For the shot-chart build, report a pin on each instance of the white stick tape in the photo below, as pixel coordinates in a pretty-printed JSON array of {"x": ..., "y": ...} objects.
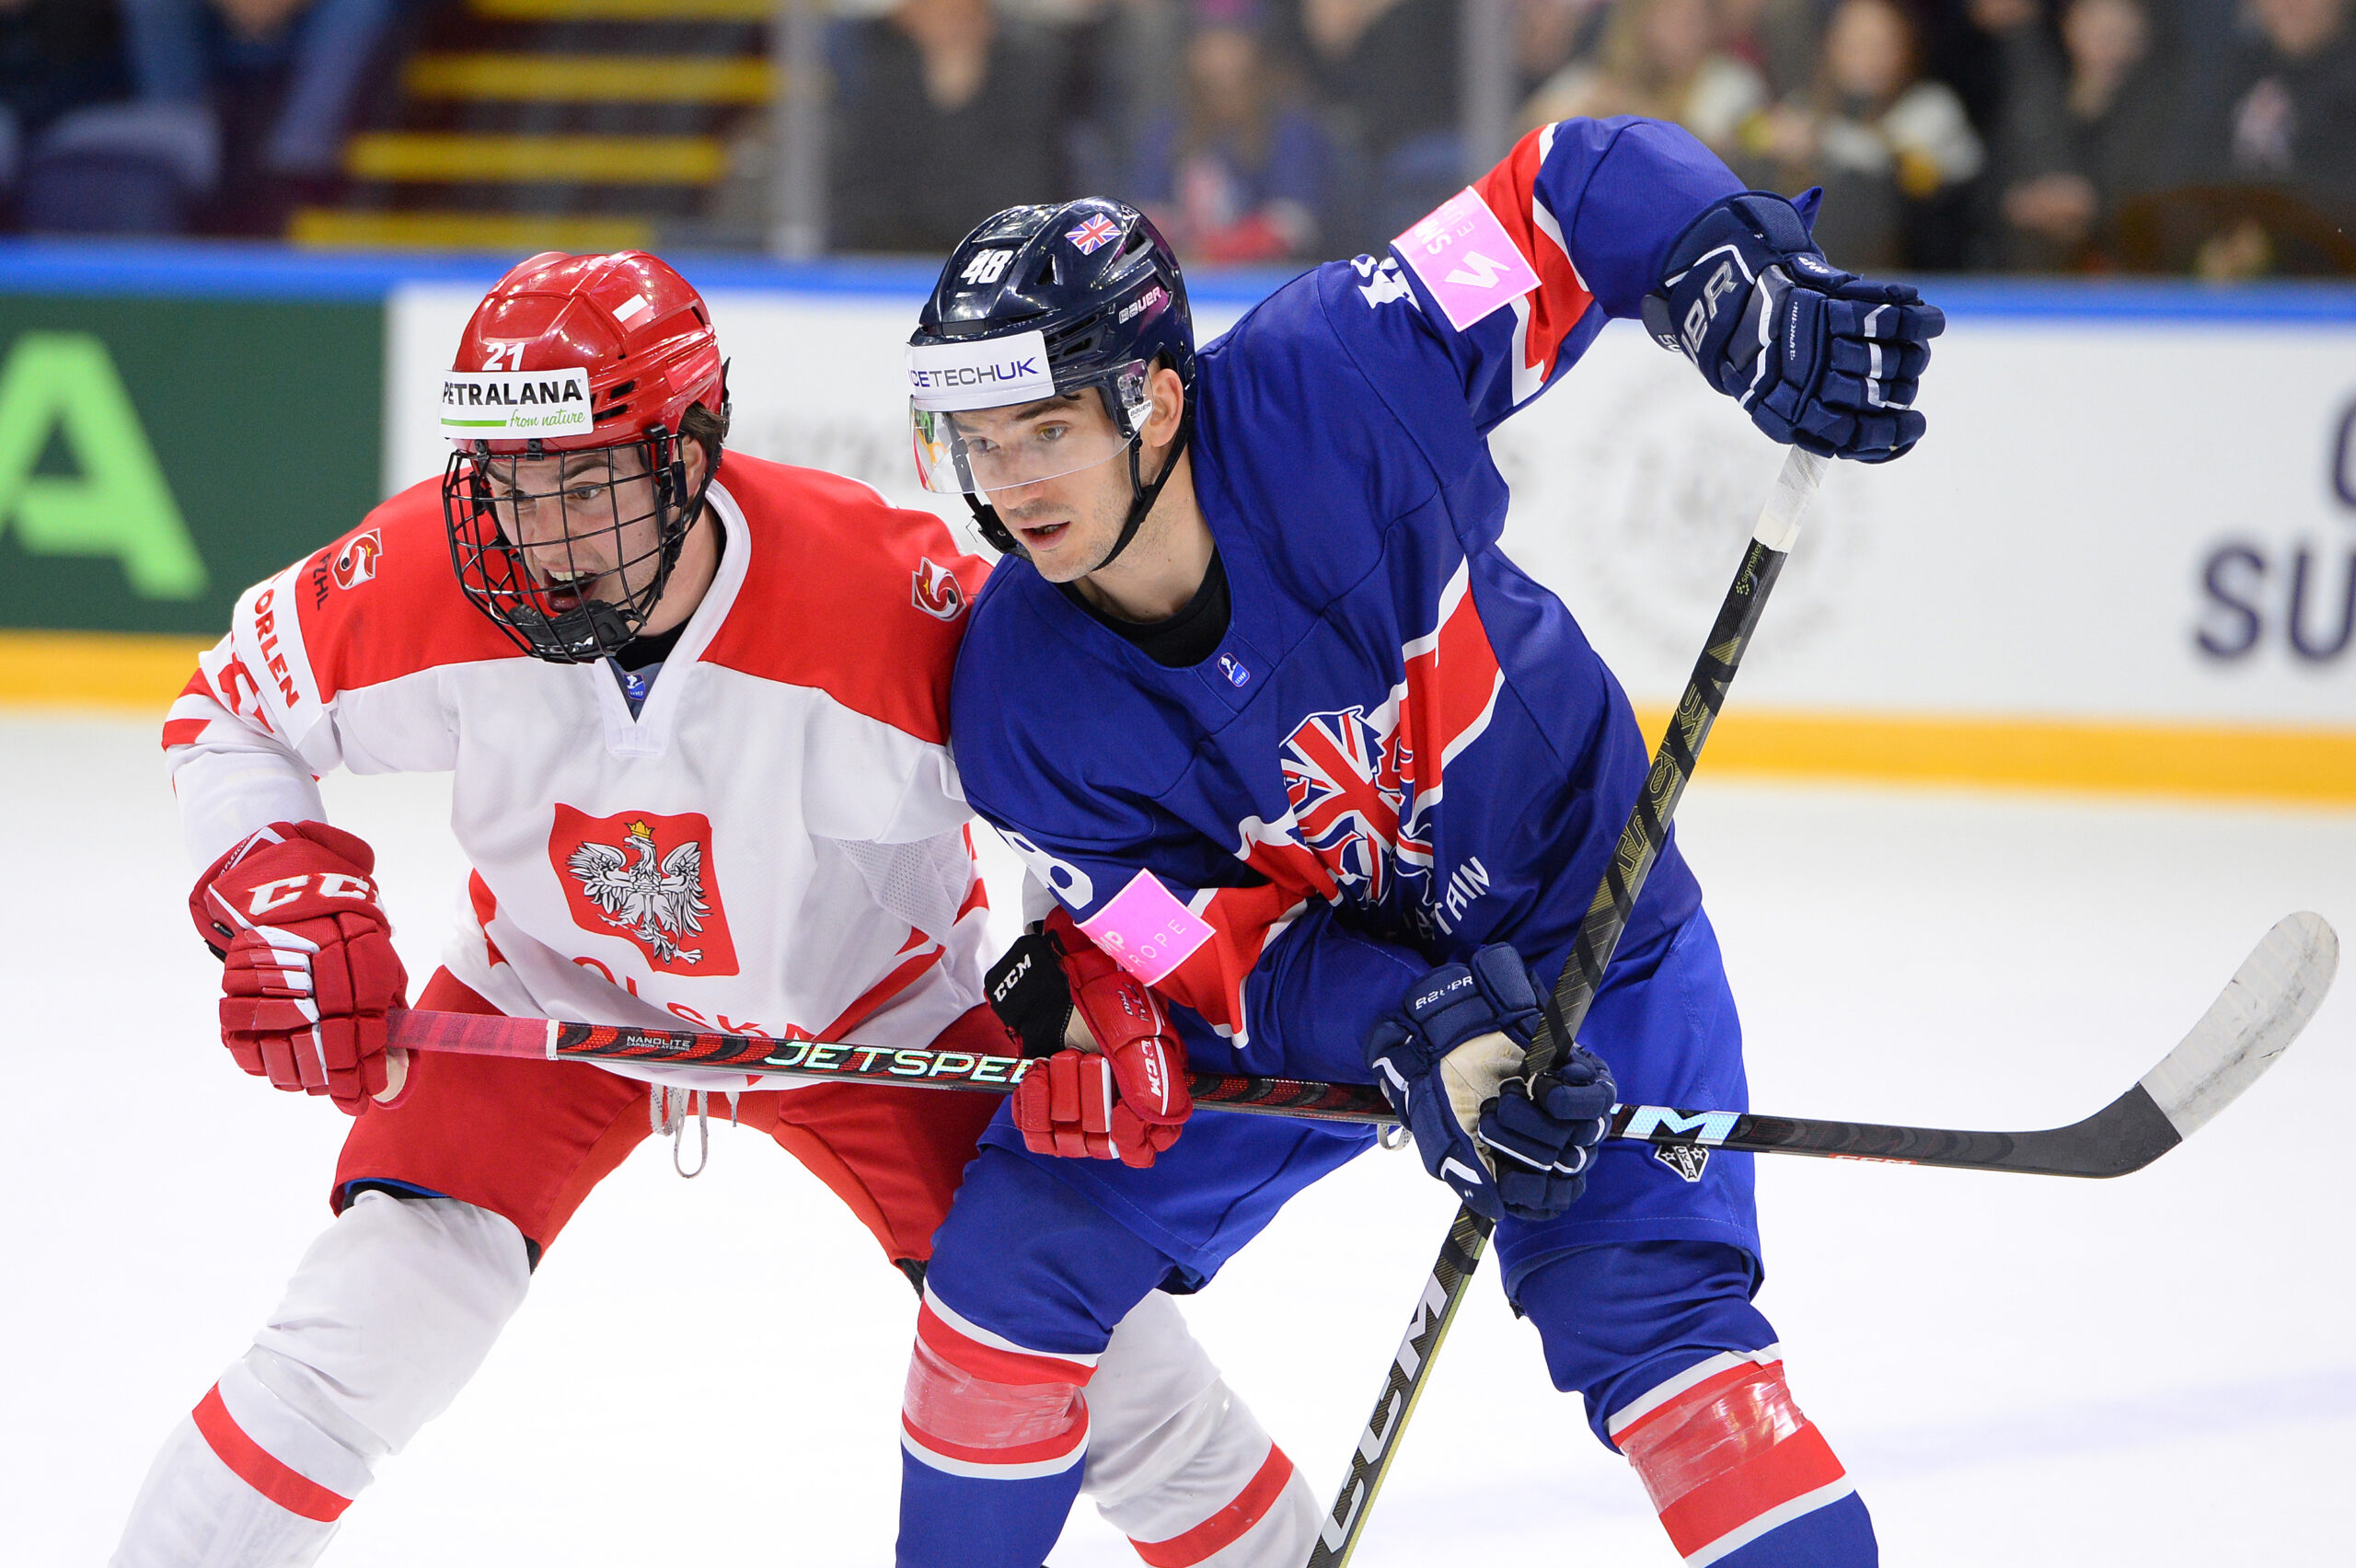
[{"x": 1795, "y": 492}]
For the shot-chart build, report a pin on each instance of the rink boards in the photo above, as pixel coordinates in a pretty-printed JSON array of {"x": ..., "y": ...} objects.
[{"x": 2125, "y": 556}]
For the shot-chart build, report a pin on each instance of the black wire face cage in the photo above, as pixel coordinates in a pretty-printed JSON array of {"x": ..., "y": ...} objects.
[{"x": 530, "y": 559}]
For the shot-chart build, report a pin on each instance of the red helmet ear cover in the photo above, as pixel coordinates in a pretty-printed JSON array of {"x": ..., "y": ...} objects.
[{"x": 630, "y": 319}]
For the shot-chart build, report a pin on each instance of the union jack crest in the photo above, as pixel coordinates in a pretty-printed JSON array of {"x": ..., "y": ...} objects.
[
  {"x": 1093, "y": 235},
  {"x": 1351, "y": 786}
]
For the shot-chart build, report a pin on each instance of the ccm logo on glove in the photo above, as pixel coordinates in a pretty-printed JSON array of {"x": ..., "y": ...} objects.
[
  {"x": 1106, "y": 1080},
  {"x": 307, "y": 968},
  {"x": 283, "y": 890}
]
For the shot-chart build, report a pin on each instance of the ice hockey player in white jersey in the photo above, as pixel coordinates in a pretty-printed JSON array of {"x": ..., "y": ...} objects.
[{"x": 695, "y": 709}]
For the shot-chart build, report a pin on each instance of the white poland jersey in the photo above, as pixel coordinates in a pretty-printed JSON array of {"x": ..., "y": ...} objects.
[{"x": 775, "y": 845}]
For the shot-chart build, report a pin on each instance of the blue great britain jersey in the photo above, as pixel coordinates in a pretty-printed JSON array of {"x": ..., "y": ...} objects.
[{"x": 1404, "y": 747}]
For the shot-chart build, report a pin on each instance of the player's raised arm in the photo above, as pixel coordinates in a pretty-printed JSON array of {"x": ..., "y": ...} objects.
[{"x": 1590, "y": 219}]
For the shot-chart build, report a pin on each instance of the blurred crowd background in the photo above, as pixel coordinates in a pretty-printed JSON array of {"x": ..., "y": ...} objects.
[{"x": 2207, "y": 137}]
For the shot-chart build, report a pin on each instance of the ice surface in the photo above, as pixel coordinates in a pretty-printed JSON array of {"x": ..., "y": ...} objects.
[{"x": 2152, "y": 1371}]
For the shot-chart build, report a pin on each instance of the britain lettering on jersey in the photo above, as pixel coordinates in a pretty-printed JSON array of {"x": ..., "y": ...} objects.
[{"x": 644, "y": 877}]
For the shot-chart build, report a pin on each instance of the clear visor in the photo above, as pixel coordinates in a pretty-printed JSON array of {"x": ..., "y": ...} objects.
[{"x": 978, "y": 451}]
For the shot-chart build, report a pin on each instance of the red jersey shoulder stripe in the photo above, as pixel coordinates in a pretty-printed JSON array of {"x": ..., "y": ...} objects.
[
  {"x": 1562, "y": 297},
  {"x": 383, "y": 601},
  {"x": 846, "y": 593}
]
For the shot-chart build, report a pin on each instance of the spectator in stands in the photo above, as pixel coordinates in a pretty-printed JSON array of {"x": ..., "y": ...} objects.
[
  {"x": 2294, "y": 103},
  {"x": 1385, "y": 72},
  {"x": 1117, "y": 62},
  {"x": 55, "y": 56},
  {"x": 65, "y": 127},
  {"x": 277, "y": 79},
  {"x": 1778, "y": 39},
  {"x": 2084, "y": 131},
  {"x": 952, "y": 115},
  {"x": 1550, "y": 34},
  {"x": 1893, "y": 151},
  {"x": 1240, "y": 174},
  {"x": 1658, "y": 58}
]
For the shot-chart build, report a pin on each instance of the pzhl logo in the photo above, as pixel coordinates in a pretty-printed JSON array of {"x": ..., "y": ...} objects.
[
  {"x": 356, "y": 563},
  {"x": 936, "y": 592}
]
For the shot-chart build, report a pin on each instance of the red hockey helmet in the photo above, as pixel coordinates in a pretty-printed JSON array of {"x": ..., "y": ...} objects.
[
  {"x": 567, "y": 355},
  {"x": 639, "y": 329}
]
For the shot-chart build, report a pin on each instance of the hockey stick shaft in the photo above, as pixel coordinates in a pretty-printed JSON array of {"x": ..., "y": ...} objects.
[
  {"x": 1607, "y": 916},
  {"x": 2255, "y": 1019},
  {"x": 2251, "y": 1022},
  {"x": 539, "y": 1038}
]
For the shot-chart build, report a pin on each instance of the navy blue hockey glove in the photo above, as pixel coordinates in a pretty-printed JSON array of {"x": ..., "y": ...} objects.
[
  {"x": 1821, "y": 359},
  {"x": 1450, "y": 1061}
]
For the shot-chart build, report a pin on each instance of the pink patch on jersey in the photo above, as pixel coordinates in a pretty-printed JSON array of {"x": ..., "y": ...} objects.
[
  {"x": 1146, "y": 930},
  {"x": 1464, "y": 256}
]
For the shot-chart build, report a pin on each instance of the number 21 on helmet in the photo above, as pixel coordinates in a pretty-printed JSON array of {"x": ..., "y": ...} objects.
[{"x": 578, "y": 382}]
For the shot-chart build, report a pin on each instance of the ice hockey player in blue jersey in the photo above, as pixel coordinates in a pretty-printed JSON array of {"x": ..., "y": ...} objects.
[{"x": 1295, "y": 744}]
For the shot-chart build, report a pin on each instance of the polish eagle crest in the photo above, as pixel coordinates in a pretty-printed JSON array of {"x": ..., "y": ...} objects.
[{"x": 657, "y": 901}]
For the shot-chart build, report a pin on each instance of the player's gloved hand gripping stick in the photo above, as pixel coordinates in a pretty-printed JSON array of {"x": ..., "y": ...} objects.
[
  {"x": 2252, "y": 1022},
  {"x": 1607, "y": 916},
  {"x": 1115, "y": 1090}
]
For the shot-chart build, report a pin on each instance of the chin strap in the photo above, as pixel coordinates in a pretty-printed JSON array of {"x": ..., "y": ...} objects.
[{"x": 1146, "y": 494}]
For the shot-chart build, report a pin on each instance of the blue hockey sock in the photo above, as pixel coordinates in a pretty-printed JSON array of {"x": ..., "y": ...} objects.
[
  {"x": 949, "y": 1520},
  {"x": 993, "y": 1438}
]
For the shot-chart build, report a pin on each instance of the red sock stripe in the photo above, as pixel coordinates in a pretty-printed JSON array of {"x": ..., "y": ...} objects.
[
  {"x": 1065, "y": 1444},
  {"x": 990, "y": 1363},
  {"x": 1801, "y": 1463},
  {"x": 1224, "y": 1527},
  {"x": 261, "y": 1470},
  {"x": 1726, "y": 1452}
]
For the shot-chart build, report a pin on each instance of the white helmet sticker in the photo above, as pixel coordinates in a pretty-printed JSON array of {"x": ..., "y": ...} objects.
[
  {"x": 510, "y": 405},
  {"x": 987, "y": 374}
]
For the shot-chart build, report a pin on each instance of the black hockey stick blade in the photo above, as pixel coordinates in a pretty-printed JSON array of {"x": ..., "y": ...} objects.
[{"x": 2253, "y": 1022}]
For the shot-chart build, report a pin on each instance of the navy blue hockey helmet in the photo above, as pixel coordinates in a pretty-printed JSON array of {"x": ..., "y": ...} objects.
[{"x": 1042, "y": 302}]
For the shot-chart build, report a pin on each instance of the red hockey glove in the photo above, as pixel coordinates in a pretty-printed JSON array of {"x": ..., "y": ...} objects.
[
  {"x": 308, "y": 971},
  {"x": 1124, "y": 1098}
]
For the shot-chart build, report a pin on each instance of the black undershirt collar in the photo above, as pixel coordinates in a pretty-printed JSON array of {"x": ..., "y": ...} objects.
[{"x": 1186, "y": 638}]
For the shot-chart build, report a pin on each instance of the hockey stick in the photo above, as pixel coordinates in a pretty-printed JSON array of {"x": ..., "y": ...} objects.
[
  {"x": 540, "y": 1039},
  {"x": 2252, "y": 1021},
  {"x": 1606, "y": 917}
]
